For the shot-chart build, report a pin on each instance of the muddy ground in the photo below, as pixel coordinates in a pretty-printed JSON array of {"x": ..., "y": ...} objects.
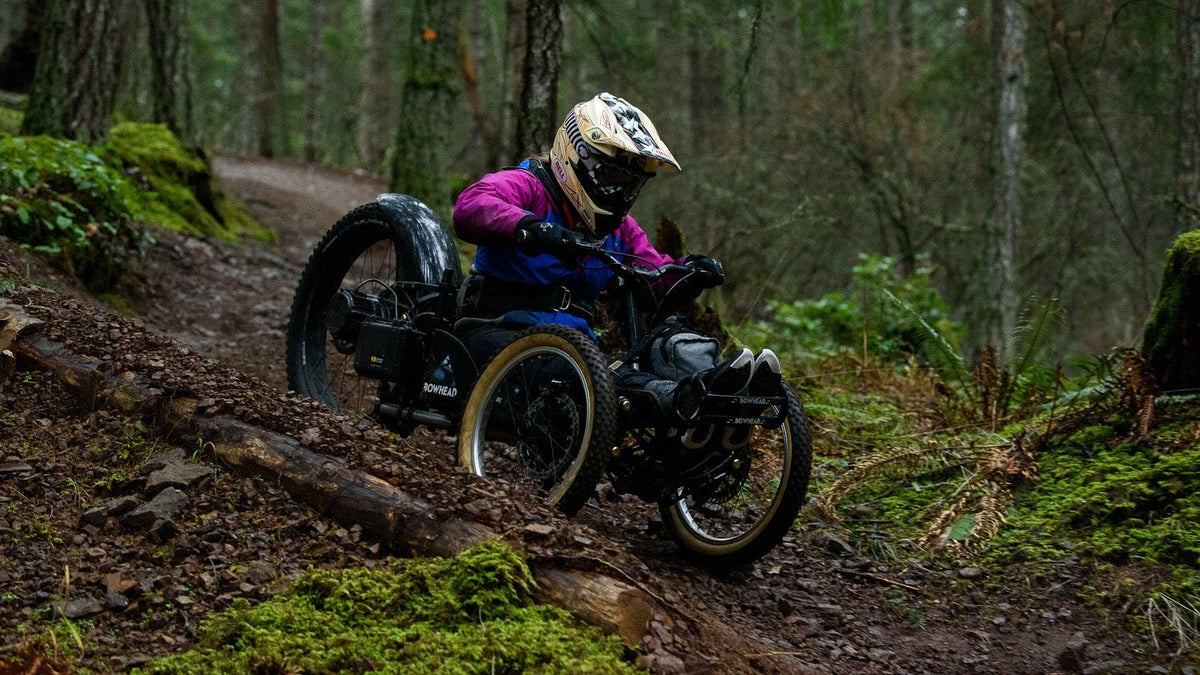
[{"x": 210, "y": 320}]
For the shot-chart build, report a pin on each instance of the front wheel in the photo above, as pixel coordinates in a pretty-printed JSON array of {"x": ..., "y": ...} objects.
[
  {"x": 367, "y": 251},
  {"x": 757, "y": 501},
  {"x": 542, "y": 417}
]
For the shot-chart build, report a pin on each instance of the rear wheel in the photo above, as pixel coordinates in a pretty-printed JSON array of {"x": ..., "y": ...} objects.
[
  {"x": 362, "y": 252},
  {"x": 542, "y": 417},
  {"x": 747, "y": 508}
]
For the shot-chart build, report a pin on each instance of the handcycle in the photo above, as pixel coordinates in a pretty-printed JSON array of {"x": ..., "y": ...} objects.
[{"x": 376, "y": 330}]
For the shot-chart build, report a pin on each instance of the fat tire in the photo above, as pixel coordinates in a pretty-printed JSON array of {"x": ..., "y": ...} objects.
[
  {"x": 327, "y": 266},
  {"x": 768, "y": 532},
  {"x": 572, "y": 489}
]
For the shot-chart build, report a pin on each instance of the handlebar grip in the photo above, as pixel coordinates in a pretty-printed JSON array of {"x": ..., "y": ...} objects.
[{"x": 521, "y": 235}]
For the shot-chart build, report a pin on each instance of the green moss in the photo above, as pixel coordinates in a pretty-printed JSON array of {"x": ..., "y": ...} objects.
[
  {"x": 1174, "y": 322},
  {"x": 118, "y": 303},
  {"x": 10, "y": 121},
  {"x": 470, "y": 614},
  {"x": 1125, "y": 502},
  {"x": 186, "y": 198}
]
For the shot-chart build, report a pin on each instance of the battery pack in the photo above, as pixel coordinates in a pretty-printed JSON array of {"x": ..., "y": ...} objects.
[{"x": 389, "y": 351}]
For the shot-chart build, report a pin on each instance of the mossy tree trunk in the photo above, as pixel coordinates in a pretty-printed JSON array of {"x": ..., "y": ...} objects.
[
  {"x": 78, "y": 69},
  {"x": 1172, "y": 340},
  {"x": 170, "y": 67},
  {"x": 418, "y": 165}
]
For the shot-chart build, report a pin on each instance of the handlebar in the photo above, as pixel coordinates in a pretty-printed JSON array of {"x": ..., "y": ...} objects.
[{"x": 614, "y": 261}]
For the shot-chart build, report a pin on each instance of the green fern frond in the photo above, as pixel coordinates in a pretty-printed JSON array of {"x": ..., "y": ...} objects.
[
  {"x": 905, "y": 463},
  {"x": 936, "y": 347}
]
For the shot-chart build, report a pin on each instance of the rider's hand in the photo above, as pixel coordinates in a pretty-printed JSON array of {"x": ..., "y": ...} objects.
[
  {"x": 537, "y": 236},
  {"x": 706, "y": 272}
]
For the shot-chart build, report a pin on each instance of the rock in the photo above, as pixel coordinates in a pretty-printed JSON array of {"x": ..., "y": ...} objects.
[
  {"x": 78, "y": 608},
  {"x": 165, "y": 506},
  {"x": 178, "y": 476},
  {"x": 164, "y": 459},
  {"x": 833, "y": 543},
  {"x": 971, "y": 572},
  {"x": 14, "y": 467},
  {"x": 94, "y": 516},
  {"x": 1072, "y": 656},
  {"x": 120, "y": 506},
  {"x": 662, "y": 662},
  {"x": 256, "y": 572},
  {"x": 162, "y": 530}
]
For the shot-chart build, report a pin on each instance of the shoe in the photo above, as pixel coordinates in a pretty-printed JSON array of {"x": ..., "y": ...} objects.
[
  {"x": 767, "y": 375},
  {"x": 765, "y": 381},
  {"x": 730, "y": 376}
]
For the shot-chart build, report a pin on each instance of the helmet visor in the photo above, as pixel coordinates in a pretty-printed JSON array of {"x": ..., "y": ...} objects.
[{"x": 613, "y": 183}]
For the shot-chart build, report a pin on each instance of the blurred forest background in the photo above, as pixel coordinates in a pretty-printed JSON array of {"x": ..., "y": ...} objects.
[{"x": 811, "y": 132}]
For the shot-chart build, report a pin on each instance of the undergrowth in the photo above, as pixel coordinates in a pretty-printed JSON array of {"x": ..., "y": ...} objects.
[
  {"x": 473, "y": 613},
  {"x": 83, "y": 207},
  {"x": 1026, "y": 460}
]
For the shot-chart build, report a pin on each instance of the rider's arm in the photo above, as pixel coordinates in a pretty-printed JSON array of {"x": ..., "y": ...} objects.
[
  {"x": 636, "y": 243},
  {"x": 489, "y": 211}
]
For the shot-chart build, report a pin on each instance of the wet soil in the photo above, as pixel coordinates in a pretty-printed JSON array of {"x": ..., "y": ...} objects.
[{"x": 209, "y": 320}]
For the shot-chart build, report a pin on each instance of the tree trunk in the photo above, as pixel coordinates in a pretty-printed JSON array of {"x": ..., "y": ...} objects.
[
  {"x": 1187, "y": 113},
  {"x": 1171, "y": 344},
  {"x": 170, "y": 67},
  {"x": 1008, "y": 44},
  {"x": 537, "y": 116},
  {"x": 245, "y": 83},
  {"x": 314, "y": 82},
  {"x": 514, "y": 55},
  {"x": 270, "y": 83},
  {"x": 18, "y": 62},
  {"x": 706, "y": 104},
  {"x": 487, "y": 131},
  {"x": 377, "y": 104},
  {"x": 418, "y": 167},
  {"x": 74, "y": 88}
]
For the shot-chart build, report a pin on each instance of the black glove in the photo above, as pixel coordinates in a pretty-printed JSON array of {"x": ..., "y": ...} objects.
[
  {"x": 706, "y": 272},
  {"x": 537, "y": 236}
]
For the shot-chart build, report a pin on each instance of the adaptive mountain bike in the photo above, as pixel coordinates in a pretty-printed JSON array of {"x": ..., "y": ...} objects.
[{"x": 376, "y": 330}]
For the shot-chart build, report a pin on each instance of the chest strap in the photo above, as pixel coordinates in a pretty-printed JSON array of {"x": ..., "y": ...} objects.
[{"x": 488, "y": 296}]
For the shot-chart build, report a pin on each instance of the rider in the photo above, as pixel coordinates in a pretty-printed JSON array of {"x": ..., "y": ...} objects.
[{"x": 527, "y": 220}]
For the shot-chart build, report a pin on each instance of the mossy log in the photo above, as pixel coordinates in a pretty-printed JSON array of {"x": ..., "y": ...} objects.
[
  {"x": 1171, "y": 344},
  {"x": 402, "y": 522}
]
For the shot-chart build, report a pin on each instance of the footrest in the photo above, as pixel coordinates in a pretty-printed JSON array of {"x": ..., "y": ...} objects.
[{"x": 741, "y": 409}]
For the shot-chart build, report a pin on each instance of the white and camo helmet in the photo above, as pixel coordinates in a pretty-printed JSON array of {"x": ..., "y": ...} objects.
[{"x": 602, "y": 155}]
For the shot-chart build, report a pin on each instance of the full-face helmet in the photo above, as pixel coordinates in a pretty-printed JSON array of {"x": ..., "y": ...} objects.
[{"x": 603, "y": 154}]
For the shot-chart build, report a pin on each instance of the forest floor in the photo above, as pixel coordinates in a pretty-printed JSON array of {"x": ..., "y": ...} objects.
[{"x": 818, "y": 603}]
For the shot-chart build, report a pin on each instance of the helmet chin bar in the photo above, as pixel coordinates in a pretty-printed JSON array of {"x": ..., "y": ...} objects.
[{"x": 606, "y": 224}]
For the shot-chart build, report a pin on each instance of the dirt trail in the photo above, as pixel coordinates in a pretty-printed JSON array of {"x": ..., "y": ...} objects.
[
  {"x": 818, "y": 603},
  {"x": 231, "y": 302}
]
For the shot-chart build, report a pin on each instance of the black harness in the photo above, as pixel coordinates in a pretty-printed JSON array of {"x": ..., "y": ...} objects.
[{"x": 490, "y": 297}]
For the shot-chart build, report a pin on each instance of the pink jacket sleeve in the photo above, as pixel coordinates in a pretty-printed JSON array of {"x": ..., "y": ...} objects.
[
  {"x": 637, "y": 243},
  {"x": 488, "y": 211}
]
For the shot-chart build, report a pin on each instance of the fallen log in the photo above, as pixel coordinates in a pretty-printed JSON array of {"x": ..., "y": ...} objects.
[{"x": 400, "y": 521}]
